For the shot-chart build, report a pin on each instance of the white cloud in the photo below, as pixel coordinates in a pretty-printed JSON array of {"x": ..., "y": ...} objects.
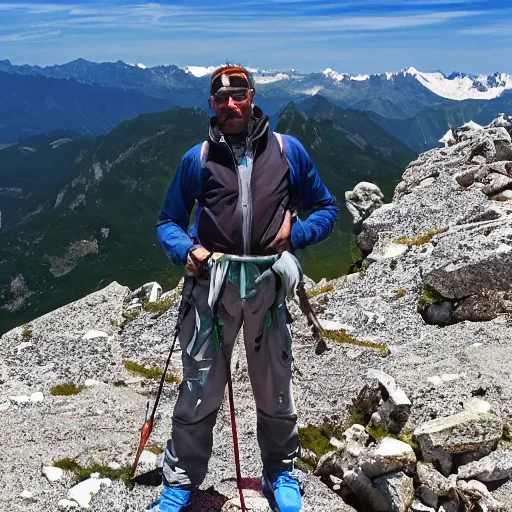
[
  {"x": 28, "y": 36},
  {"x": 503, "y": 28}
]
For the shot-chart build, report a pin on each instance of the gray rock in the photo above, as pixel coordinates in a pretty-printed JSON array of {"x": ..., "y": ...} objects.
[
  {"x": 386, "y": 248},
  {"x": 435, "y": 481},
  {"x": 396, "y": 394},
  {"x": 355, "y": 439},
  {"x": 398, "y": 489},
  {"x": 149, "y": 292},
  {"x": 487, "y": 249},
  {"x": 330, "y": 464},
  {"x": 427, "y": 496},
  {"x": 476, "y": 492},
  {"x": 395, "y": 408},
  {"x": 417, "y": 506},
  {"x": 362, "y": 487},
  {"x": 476, "y": 429},
  {"x": 496, "y": 183},
  {"x": 483, "y": 307},
  {"x": 439, "y": 312},
  {"x": 363, "y": 200},
  {"x": 449, "y": 506},
  {"x": 388, "y": 456},
  {"x": 496, "y": 466}
]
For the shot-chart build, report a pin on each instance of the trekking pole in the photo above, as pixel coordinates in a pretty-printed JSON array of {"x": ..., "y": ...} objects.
[
  {"x": 235, "y": 442},
  {"x": 149, "y": 421},
  {"x": 218, "y": 334}
]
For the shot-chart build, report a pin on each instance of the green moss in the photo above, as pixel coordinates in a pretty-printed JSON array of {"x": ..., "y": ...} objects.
[
  {"x": 355, "y": 417},
  {"x": 82, "y": 473},
  {"x": 377, "y": 432},
  {"x": 317, "y": 438},
  {"x": 155, "y": 448},
  {"x": 326, "y": 288},
  {"x": 400, "y": 293},
  {"x": 408, "y": 438},
  {"x": 66, "y": 389},
  {"x": 429, "y": 296},
  {"x": 67, "y": 464},
  {"x": 343, "y": 337},
  {"x": 159, "y": 306},
  {"x": 26, "y": 333},
  {"x": 128, "y": 317},
  {"x": 420, "y": 239},
  {"x": 123, "y": 473},
  {"x": 153, "y": 373}
]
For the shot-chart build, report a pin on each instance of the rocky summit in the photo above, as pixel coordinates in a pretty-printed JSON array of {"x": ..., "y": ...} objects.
[{"x": 409, "y": 409}]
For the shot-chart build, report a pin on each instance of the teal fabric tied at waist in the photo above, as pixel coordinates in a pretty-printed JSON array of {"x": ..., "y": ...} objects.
[{"x": 241, "y": 271}]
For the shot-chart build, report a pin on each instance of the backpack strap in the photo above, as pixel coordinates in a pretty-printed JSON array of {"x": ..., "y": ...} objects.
[
  {"x": 204, "y": 153},
  {"x": 280, "y": 141}
]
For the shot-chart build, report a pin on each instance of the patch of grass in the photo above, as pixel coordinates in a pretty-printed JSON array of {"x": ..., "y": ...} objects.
[
  {"x": 153, "y": 373},
  {"x": 67, "y": 464},
  {"x": 429, "y": 296},
  {"x": 159, "y": 306},
  {"x": 66, "y": 389},
  {"x": 128, "y": 317},
  {"x": 155, "y": 448},
  {"x": 400, "y": 293},
  {"x": 420, "y": 239},
  {"x": 378, "y": 432},
  {"x": 326, "y": 288},
  {"x": 408, "y": 438},
  {"x": 123, "y": 473},
  {"x": 26, "y": 333},
  {"x": 317, "y": 438},
  {"x": 342, "y": 336},
  {"x": 355, "y": 417}
]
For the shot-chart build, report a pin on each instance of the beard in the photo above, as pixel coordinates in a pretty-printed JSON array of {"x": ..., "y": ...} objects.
[{"x": 234, "y": 119}]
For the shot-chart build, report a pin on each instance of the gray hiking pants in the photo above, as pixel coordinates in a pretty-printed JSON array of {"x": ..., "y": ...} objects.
[{"x": 268, "y": 348}]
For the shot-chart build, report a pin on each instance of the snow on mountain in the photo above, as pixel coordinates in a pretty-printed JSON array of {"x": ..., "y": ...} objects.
[
  {"x": 268, "y": 79},
  {"x": 360, "y": 78},
  {"x": 457, "y": 86},
  {"x": 199, "y": 71},
  {"x": 141, "y": 66},
  {"x": 463, "y": 87},
  {"x": 337, "y": 77}
]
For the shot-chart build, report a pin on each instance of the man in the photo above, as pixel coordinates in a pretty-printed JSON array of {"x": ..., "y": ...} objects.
[{"x": 246, "y": 181}]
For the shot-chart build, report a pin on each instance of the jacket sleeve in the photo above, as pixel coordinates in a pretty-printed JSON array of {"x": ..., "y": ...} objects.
[
  {"x": 312, "y": 195},
  {"x": 174, "y": 218}
]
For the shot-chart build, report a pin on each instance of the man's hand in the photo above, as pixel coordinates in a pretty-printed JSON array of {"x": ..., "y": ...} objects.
[
  {"x": 195, "y": 259},
  {"x": 282, "y": 240}
]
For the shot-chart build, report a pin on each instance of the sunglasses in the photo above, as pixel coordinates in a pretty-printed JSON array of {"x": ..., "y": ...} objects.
[{"x": 223, "y": 96}]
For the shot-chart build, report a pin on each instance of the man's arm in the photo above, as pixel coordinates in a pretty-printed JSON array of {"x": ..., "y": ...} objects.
[
  {"x": 312, "y": 194},
  {"x": 174, "y": 218}
]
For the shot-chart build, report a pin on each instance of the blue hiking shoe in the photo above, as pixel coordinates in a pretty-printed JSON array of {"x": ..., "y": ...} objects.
[
  {"x": 282, "y": 492},
  {"x": 172, "y": 499}
]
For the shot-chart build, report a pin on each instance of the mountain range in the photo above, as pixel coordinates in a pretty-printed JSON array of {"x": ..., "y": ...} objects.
[
  {"x": 81, "y": 211},
  {"x": 398, "y": 101}
]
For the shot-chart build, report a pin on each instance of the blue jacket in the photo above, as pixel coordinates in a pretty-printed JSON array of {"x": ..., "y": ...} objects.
[{"x": 207, "y": 174}]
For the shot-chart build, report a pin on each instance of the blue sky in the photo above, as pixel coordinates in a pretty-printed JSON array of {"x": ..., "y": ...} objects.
[{"x": 354, "y": 36}]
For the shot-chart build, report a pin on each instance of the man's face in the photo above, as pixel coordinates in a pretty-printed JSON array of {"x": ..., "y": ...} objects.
[{"x": 233, "y": 110}]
